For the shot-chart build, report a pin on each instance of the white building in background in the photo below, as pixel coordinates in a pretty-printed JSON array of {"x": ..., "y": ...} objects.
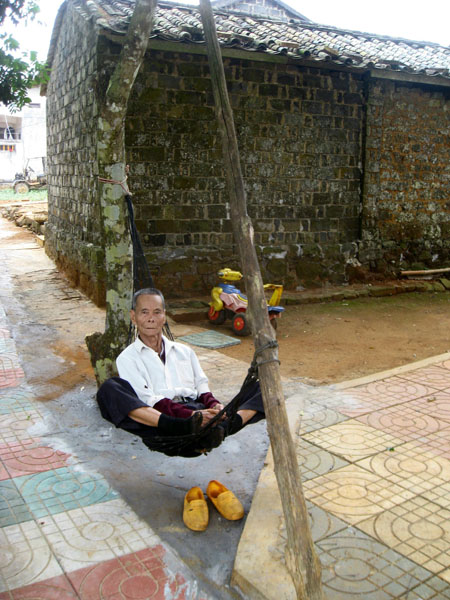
[{"x": 23, "y": 138}]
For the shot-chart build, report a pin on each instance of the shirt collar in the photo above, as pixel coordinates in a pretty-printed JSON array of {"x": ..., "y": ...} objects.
[{"x": 139, "y": 344}]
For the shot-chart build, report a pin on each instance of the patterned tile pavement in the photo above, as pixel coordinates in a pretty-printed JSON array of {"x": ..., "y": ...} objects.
[
  {"x": 64, "y": 533},
  {"x": 418, "y": 529},
  {"x": 418, "y": 467},
  {"x": 404, "y": 422},
  {"x": 413, "y": 407},
  {"x": 29, "y": 457},
  {"x": 139, "y": 575},
  {"x": 436, "y": 405},
  {"x": 313, "y": 460},
  {"x": 383, "y": 394},
  {"x": 15, "y": 400},
  {"x": 353, "y": 494},
  {"x": 357, "y": 566},
  {"x": 375, "y": 464},
  {"x": 352, "y": 440},
  {"x": 435, "y": 376}
]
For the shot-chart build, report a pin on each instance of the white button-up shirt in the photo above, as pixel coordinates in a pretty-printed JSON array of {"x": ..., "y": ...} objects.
[{"x": 153, "y": 380}]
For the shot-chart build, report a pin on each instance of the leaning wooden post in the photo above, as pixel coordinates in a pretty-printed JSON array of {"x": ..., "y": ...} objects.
[{"x": 302, "y": 560}]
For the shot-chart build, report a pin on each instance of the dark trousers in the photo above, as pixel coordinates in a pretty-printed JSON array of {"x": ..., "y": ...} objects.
[{"x": 116, "y": 399}]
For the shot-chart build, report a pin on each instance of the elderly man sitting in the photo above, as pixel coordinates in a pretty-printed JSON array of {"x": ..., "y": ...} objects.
[{"x": 162, "y": 390}]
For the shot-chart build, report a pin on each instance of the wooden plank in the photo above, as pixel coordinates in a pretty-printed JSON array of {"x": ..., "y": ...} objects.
[{"x": 426, "y": 272}]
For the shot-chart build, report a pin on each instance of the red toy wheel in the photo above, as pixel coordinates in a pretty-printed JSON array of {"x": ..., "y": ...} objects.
[
  {"x": 217, "y": 317},
  {"x": 240, "y": 325}
]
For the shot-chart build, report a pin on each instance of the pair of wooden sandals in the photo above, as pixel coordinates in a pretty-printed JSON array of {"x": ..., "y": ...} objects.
[{"x": 195, "y": 511}]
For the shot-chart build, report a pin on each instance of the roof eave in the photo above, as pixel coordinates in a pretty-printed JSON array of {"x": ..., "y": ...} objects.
[
  {"x": 255, "y": 55},
  {"x": 421, "y": 78}
]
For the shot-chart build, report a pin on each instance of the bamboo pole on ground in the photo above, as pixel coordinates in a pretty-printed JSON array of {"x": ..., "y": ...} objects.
[{"x": 301, "y": 557}]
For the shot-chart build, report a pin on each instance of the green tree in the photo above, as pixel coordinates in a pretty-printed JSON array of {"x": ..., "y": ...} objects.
[
  {"x": 18, "y": 70},
  {"x": 104, "y": 347}
]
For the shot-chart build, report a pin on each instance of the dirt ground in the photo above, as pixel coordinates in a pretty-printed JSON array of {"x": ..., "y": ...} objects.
[{"x": 338, "y": 341}]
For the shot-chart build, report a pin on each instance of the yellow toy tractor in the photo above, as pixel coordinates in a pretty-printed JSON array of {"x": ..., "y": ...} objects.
[{"x": 229, "y": 302}]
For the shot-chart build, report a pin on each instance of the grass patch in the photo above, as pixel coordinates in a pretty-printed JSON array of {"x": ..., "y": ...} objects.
[{"x": 32, "y": 195}]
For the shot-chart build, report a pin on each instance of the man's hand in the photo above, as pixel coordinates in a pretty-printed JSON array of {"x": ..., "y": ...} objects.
[{"x": 208, "y": 414}]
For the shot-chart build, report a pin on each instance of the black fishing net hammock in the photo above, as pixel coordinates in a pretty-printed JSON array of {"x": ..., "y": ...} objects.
[{"x": 183, "y": 445}]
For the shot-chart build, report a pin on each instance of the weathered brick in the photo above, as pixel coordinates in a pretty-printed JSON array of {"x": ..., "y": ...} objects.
[{"x": 300, "y": 135}]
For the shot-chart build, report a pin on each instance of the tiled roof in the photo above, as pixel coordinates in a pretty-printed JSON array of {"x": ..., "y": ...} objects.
[
  {"x": 295, "y": 39},
  {"x": 272, "y": 9}
]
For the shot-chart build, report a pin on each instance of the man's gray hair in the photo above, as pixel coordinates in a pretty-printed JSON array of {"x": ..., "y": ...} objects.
[{"x": 147, "y": 292}]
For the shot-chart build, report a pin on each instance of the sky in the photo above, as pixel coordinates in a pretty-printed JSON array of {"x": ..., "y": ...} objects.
[{"x": 411, "y": 19}]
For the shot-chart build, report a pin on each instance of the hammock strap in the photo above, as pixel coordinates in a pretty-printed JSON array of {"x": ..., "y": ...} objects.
[
  {"x": 257, "y": 363},
  {"x": 142, "y": 278}
]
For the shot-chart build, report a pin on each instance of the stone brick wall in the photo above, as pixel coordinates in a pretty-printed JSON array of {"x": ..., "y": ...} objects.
[
  {"x": 307, "y": 137},
  {"x": 299, "y": 132},
  {"x": 406, "y": 218},
  {"x": 72, "y": 233}
]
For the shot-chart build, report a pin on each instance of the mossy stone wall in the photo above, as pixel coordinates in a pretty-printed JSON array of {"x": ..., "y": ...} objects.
[
  {"x": 72, "y": 236},
  {"x": 337, "y": 167},
  {"x": 406, "y": 218},
  {"x": 299, "y": 132}
]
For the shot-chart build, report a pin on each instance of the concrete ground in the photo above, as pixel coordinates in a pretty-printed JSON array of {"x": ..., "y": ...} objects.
[{"x": 86, "y": 511}]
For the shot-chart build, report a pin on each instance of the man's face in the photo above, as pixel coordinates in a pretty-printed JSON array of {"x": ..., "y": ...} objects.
[{"x": 149, "y": 315}]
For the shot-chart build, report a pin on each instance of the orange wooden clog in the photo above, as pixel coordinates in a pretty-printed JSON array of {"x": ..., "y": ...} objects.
[
  {"x": 225, "y": 501},
  {"x": 195, "y": 510}
]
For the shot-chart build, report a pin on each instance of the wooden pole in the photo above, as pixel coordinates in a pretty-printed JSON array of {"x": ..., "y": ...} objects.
[
  {"x": 301, "y": 558},
  {"x": 426, "y": 272}
]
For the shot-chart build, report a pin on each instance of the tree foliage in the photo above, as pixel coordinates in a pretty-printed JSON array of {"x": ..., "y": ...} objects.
[{"x": 18, "y": 70}]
